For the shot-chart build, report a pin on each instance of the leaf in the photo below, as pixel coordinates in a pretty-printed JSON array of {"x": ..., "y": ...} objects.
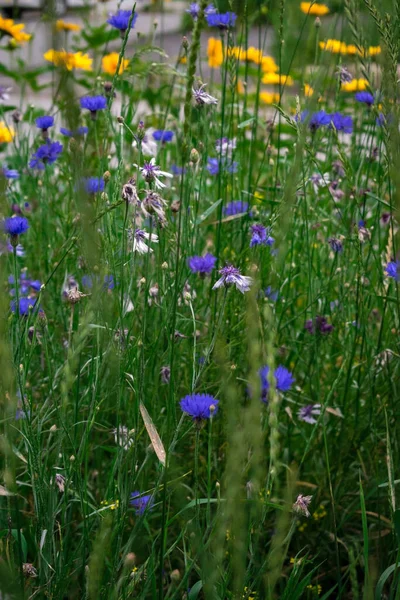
[
  {"x": 208, "y": 212},
  {"x": 195, "y": 590},
  {"x": 153, "y": 435},
  {"x": 396, "y": 521},
  {"x": 5, "y": 492},
  {"x": 382, "y": 580}
]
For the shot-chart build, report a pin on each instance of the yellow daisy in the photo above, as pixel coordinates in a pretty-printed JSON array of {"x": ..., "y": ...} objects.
[
  {"x": 318, "y": 10},
  {"x": 214, "y": 53},
  {"x": 7, "y": 134},
  {"x": 268, "y": 65},
  {"x": 69, "y": 60},
  {"x": 109, "y": 63},
  {"x": 269, "y": 98},
  {"x": 308, "y": 90},
  {"x": 276, "y": 79},
  {"x": 65, "y": 26},
  {"x": 15, "y": 31},
  {"x": 355, "y": 85}
]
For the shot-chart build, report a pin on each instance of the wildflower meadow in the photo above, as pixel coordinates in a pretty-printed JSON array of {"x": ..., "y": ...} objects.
[{"x": 200, "y": 312}]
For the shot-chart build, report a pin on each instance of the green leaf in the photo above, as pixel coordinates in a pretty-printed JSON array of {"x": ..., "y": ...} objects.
[
  {"x": 99, "y": 36},
  {"x": 382, "y": 580},
  {"x": 208, "y": 212},
  {"x": 195, "y": 590}
]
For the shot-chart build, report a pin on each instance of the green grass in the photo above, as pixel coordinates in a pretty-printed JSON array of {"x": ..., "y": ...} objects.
[{"x": 221, "y": 524}]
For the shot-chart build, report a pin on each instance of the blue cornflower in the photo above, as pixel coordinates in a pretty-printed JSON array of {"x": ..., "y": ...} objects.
[
  {"x": 393, "y": 270},
  {"x": 141, "y": 503},
  {"x": 121, "y": 20},
  {"x": 316, "y": 120},
  {"x": 109, "y": 282},
  {"x": 335, "y": 244},
  {"x": 213, "y": 166},
  {"x": 161, "y": 135},
  {"x": 271, "y": 294},
  {"x": 15, "y": 226},
  {"x": 25, "y": 305},
  {"x": 94, "y": 103},
  {"x": 236, "y": 207},
  {"x": 380, "y": 120},
  {"x": 177, "y": 171},
  {"x": 199, "y": 406},
  {"x": 365, "y": 98},
  {"x": 260, "y": 236},
  {"x": 283, "y": 380},
  {"x": 93, "y": 185},
  {"x": 341, "y": 122},
  {"x": 202, "y": 264},
  {"x": 10, "y": 173},
  {"x": 46, "y": 154},
  {"x": 69, "y": 133},
  {"x": 221, "y": 20},
  {"x": 45, "y": 122}
]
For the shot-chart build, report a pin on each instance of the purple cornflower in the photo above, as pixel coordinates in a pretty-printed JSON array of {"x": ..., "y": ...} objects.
[
  {"x": 194, "y": 10},
  {"x": 141, "y": 503},
  {"x": 221, "y": 20},
  {"x": 10, "y": 173},
  {"x": 316, "y": 120},
  {"x": 283, "y": 380},
  {"x": 25, "y": 305},
  {"x": 365, "y": 98},
  {"x": 152, "y": 172},
  {"x": 78, "y": 132},
  {"x": 232, "y": 276},
  {"x": 45, "y": 122},
  {"x": 271, "y": 294},
  {"x": 260, "y": 236},
  {"x": 335, "y": 244},
  {"x": 199, "y": 406},
  {"x": 15, "y": 226},
  {"x": 341, "y": 122},
  {"x": 121, "y": 20},
  {"x": 306, "y": 413},
  {"x": 321, "y": 325},
  {"x": 214, "y": 166},
  {"x": 8, "y": 248},
  {"x": 225, "y": 146},
  {"x": 26, "y": 285},
  {"x": 94, "y": 103},
  {"x": 140, "y": 240},
  {"x": 163, "y": 136},
  {"x": 177, "y": 171},
  {"x": 301, "y": 505},
  {"x": 93, "y": 185},
  {"x": 393, "y": 270},
  {"x": 237, "y": 207},
  {"x": 202, "y": 264},
  {"x": 45, "y": 155}
]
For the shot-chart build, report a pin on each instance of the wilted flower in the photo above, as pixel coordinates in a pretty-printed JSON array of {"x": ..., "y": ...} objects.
[
  {"x": 344, "y": 75},
  {"x": 232, "y": 276},
  {"x": 129, "y": 192},
  {"x": 139, "y": 244},
  {"x": 154, "y": 204},
  {"x": 306, "y": 413},
  {"x": 301, "y": 505},
  {"x": 60, "y": 482},
  {"x": 151, "y": 173},
  {"x": 165, "y": 374},
  {"x": 199, "y": 406},
  {"x": 29, "y": 570},
  {"x": 141, "y": 503},
  {"x": 335, "y": 244},
  {"x": 123, "y": 437},
  {"x": 201, "y": 97}
]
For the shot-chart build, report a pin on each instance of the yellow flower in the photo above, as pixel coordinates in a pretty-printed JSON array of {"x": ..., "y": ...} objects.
[
  {"x": 319, "y": 10},
  {"x": 334, "y": 46},
  {"x": 308, "y": 90},
  {"x": 14, "y": 30},
  {"x": 356, "y": 85},
  {"x": 254, "y": 55},
  {"x": 269, "y": 98},
  {"x": 275, "y": 79},
  {"x": 374, "y": 50},
  {"x": 69, "y": 60},
  {"x": 268, "y": 65},
  {"x": 6, "y": 133},
  {"x": 109, "y": 63},
  {"x": 240, "y": 87},
  {"x": 351, "y": 49},
  {"x": 65, "y": 26},
  {"x": 214, "y": 53}
]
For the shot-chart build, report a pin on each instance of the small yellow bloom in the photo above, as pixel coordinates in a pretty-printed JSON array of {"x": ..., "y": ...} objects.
[
  {"x": 69, "y": 60},
  {"x": 308, "y": 90},
  {"x": 7, "y": 134},
  {"x": 214, "y": 53},
  {"x": 334, "y": 46},
  {"x": 374, "y": 50},
  {"x": 14, "y": 30},
  {"x": 276, "y": 79},
  {"x": 65, "y": 26},
  {"x": 240, "y": 87},
  {"x": 318, "y": 10},
  {"x": 254, "y": 55},
  {"x": 269, "y": 98},
  {"x": 351, "y": 49},
  {"x": 109, "y": 63},
  {"x": 356, "y": 85},
  {"x": 268, "y": 65}
]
